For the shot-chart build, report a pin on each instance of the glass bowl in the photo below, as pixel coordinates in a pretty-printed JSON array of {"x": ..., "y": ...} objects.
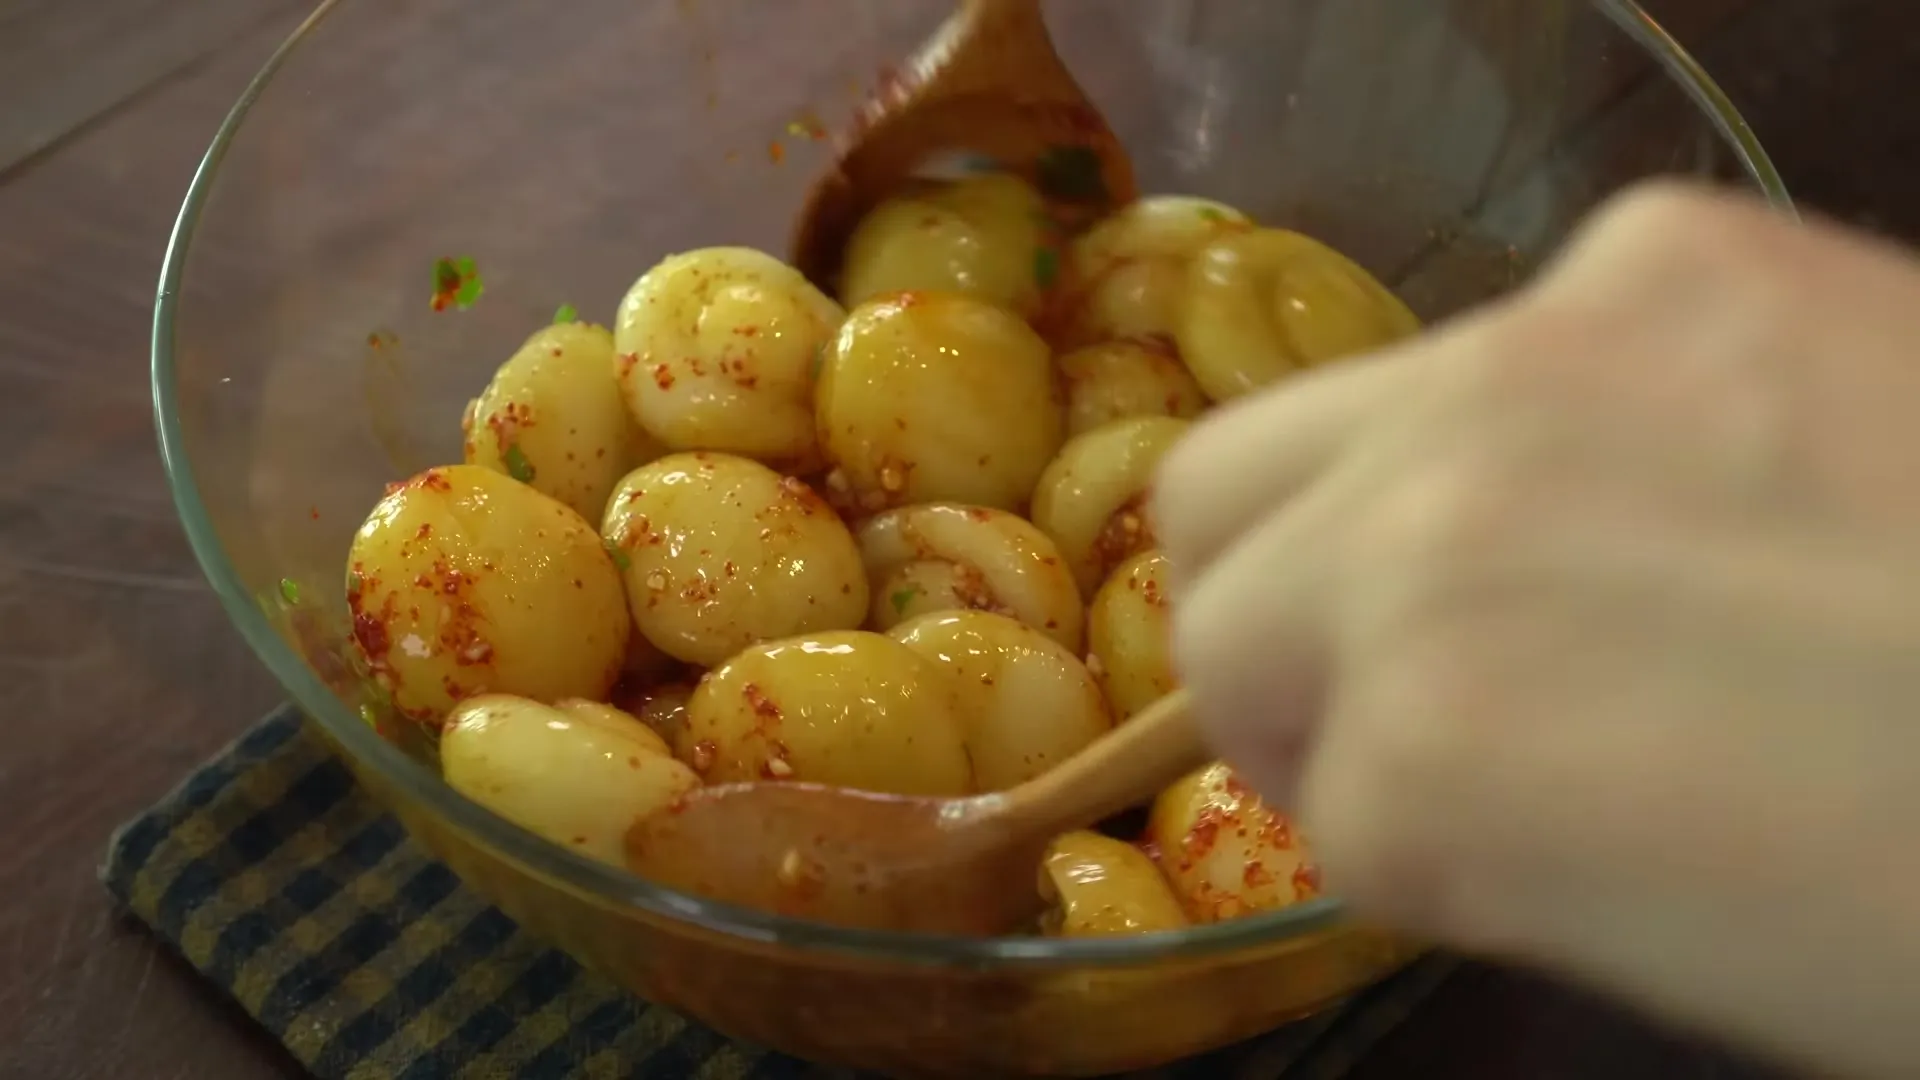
[{"x": 298, "y": 366}]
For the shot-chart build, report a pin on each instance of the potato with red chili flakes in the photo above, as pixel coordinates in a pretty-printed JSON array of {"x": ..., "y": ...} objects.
[
  {"x": 1265, "y": 303},
  {"x": 715, "y": 350},
  {"x": 1224, "y": 852},
  {"x": 1093, "y": 498},
  {"x": 1115, "y": 380},
  {"x": 577, "y": 773},
  {"x": 1096, "y": 886},
  {"x": 663, "y": 708},
  {"x": 1128, "y": 630},
  {"x": 936, "y": 397},
  {"x": 946, "y": 557},
  {"x": 719, "y": 552},
  {"x": 552, "y": 417},
  {"x": 984, "y": 236},
  {"x": 852, "y": 709},
  {"x": 1127, "y": 276},
  {"x": 463, "y": 581},
  {"x": 1026, "y": 701}
]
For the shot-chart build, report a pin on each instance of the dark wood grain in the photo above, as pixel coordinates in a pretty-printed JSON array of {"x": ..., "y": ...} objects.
[{"x": 120, "y": 673}]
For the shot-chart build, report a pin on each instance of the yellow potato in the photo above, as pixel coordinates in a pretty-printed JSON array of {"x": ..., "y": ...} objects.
[
  {"x": 579, "y": 777},
  {"x": 720, "y": 552},
  {"x": 852, "y": 709},
  {"x": 1115, "y": 380},
  {"x": 1225, "y": 853},
  {"x": 1128, "y": 628},
  {"x": 981, "y": 235},
  {"x": 716, "y": 350},
  {"x": 1093, "y": 498},
  {"x": 595, "y": 712},
  {"x": 1265, "y": 303},
  {"x": 1096, "y": 886},
  {"x": 945, "y": 557},
  {"x": 1026, "y": 701},
  {"x": 552, "y": 417},
  {"x": 936, "y": 397},
  {"x": 1127, "y": 277},
  {"x": 463, "y": 581}
]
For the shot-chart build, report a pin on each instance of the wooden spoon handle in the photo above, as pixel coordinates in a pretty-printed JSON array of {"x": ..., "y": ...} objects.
[{"x": 1125, "y": 767}]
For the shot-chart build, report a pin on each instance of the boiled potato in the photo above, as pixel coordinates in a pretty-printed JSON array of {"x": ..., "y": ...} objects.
[
  {"x": 552, "y": 417},
  {"x": 463, "y": 581},
  {"x": 1225, "y": 853},
  {"x": 1093, "y": 498},
  {"x": 716, "y": 350},
  {"x": 719, "y": 552},
  {"x": 596, "y": 712},
  {"x": 1265, "y": 303},
  {"x": 1096, "y": 886},
  {"x": 661, "y": 708},
  {"x": 944, "y": 556},
  {"x": 936, "y": 397},
  {"x": 981, "y": 235},
  {"x": 1128, "y": 630},
  {"x": 579, "y": 776},
  {"x": 1127, "y": 277},
  {"x": 852, "y": 709},
  {"x": 1026, "y": 701},
  {"x": 1115, "y": 380}
]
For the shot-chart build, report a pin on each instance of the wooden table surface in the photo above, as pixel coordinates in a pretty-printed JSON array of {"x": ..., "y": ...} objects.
[{"x": 119, "y": 673}]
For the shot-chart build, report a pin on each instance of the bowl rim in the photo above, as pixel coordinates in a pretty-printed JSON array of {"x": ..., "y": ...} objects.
[{"x": 606, "y": 884}]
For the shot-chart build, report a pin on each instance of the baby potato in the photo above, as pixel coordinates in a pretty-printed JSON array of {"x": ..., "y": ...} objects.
[
  {"x": 936, "y": 397},
  {"x": 981, "y": 235},
  {"x": 552, "y": 417},
  {"x": 1096, "y": 886},
  {"x": 716, "y": 350},
  {"x": 945, "y": 557},
  {"x": 579, "y": 777},
  {"x": 851, "y": 708},
  {"x": 1264, "y": 303},
  {"x": 1128, "y": 629},
  {"x": 719, "y": 552},
  {"x": 465, "y": 582},
  {"x": 1115, "y": 380},
  {"x": 595, "y": 712},
  {"x": 1026, "y": 701},
  {"x": 1093, "y": 498},
  {"x": 1127, "y": 276},
  {"x": 1224, "y": 852}
]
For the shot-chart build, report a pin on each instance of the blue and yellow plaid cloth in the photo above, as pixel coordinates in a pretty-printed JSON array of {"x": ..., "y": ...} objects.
[{"x": 287, "y": 885}]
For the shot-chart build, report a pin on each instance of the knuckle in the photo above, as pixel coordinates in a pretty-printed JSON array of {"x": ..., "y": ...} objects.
[{"x": 1437, "y": 524}]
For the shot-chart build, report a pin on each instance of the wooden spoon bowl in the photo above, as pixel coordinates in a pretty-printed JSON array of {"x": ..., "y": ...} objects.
[{"x": 888, "y": 862}]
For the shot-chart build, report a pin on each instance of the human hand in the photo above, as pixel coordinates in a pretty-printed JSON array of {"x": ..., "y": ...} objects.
[{"x": 1586, "y": 629}]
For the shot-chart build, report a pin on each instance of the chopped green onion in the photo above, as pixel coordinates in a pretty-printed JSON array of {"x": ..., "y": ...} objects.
[
  {"x": 621, "y": 560},
  {"x": 517, "y": 464},
  {"x": 566, "y": 314},
  {"x": 902, "y": 598},
  {"x": 289, "y": 590}
]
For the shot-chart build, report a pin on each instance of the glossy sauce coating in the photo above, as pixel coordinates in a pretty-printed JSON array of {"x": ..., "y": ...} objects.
[
  {"x": 1224, "y": 852},
  {"x": 463, "y": 581},
  {"x": 1093, "y": 498},
  {"x": 945, "y": 557},
  {"x": 854, "y": 709},
  {"x": 1129, "y": 634},
  {"x": 1026, "y": 702},
  {"x": 936, "y": 397},
  {"x": 1096, "y": 886},
  {"x": 981, "y": 235},
  {"x": 719, "y": 552}
]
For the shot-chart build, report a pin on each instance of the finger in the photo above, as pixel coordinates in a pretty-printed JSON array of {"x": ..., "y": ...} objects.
[
  {"x": 1251, "y": 643},
  {"x": 1240, "y": 462}
]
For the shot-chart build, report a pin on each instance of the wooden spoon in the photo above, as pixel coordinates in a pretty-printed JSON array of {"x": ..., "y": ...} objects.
[
  {"x": 889, "y": 862},
  {"x": 989, "y": 83}
]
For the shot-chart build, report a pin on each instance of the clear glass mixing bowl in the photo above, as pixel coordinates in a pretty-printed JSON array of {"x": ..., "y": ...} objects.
[{"x": 297, "y": 367}]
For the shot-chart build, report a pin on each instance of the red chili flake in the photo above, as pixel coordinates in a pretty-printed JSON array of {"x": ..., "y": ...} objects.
[
  {"x": 662, "y": 377},
  {"x": 370, "y": 633},
  {"x": 1306, "y": 881},
  {"x": 776, "y": 153},
  {"x": 394, "y": 487},
  {"x": 313, "y": 512},
  {"x": 626, "y": 363},
  {"x": 764, "y": 708},
  {"x": 435, "y": 480},
  {"x": 1127, "y": 533},
  {"x": 808, "y": 126}
]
